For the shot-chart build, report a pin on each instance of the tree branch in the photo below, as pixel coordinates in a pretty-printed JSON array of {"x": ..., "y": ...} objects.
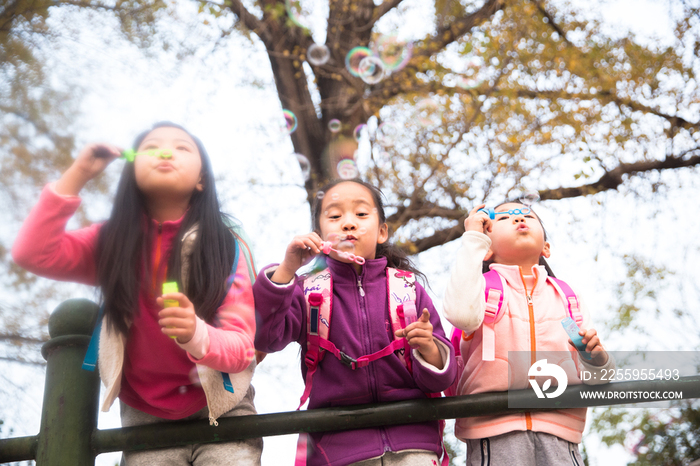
[
  {"x": 16, "y": 338},
  {"x": 248, "y": 20},
  {"x": 447, "y": 34},
  {"x": 614, "y": 178},
  {"x": 379, "y": 12}
]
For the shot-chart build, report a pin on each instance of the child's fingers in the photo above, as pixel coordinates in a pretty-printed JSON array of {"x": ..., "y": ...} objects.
[
  {"x": 476, "y": 209},
  {"x": 183, "y": 301},
  {"x": 425, "y": 316}
]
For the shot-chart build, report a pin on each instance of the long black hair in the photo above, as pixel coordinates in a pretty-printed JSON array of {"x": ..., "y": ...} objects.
[
  {"x": 123, "y": 247},
  {"x": 485, "y": 266},
  {"x": 395, "y": 256}
]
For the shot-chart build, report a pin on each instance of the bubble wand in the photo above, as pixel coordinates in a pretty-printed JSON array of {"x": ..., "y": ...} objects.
[
  {"x": 527, "y": 200},
  {"x": 327, "y": 247},
  {"x": 130, "y": 154}
]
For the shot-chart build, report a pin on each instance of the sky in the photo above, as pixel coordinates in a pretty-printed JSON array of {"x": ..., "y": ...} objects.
[{"x": 226, "y": 97}]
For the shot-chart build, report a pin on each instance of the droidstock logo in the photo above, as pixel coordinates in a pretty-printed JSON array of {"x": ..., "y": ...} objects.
[{"x": 543, "y": 369}]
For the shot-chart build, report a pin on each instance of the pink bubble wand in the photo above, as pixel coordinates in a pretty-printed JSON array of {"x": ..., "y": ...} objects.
[{"x": 327, "y": 247}]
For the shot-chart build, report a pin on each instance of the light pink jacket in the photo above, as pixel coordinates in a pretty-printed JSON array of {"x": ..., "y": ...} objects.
[
  {"x": 517, "y": 328},
  {"x": 44, "y": 247}
]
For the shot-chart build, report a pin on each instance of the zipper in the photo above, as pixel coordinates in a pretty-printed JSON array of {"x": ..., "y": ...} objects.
[
  {"x": 359, "y": 286},
  {"x": 533, "y": 341},
  {"x": 368, "y": 350}
]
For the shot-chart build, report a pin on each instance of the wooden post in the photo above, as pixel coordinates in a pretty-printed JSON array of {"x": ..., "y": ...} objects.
[{"x": 69, "y": 415}]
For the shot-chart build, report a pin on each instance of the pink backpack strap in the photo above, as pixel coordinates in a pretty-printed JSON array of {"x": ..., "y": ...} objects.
[
  {"x": 494, "y": 292},
  {"x": 401, "y": 289},
  {"x": 570, "y": 299},
  {"x": 318, "y": 291}
]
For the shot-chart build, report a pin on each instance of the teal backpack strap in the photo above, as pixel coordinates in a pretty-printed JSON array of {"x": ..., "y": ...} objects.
[
  {"x": 227, "y": 379},
  {"x": 90, "y": 361}
]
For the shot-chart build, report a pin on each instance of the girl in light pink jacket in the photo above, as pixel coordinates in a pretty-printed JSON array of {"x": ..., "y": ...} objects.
[
  {"x": 174, "y": 356},
  {"x": 529, "y": 321}
]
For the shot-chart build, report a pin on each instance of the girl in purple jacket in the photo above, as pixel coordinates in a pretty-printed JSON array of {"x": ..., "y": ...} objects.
[{"x": 351, "y": 215}]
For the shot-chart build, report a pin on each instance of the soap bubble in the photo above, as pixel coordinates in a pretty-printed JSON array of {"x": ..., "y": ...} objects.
[
  {"x": 428, "y": 113},
  {"x": 387, "y": 133},
  {"x": 354, "y": 57},
  {"x": 305, "y": 166},
  {"x": 334, "y": 125},
  {"x": 318, "y": 54},
  {"x": 335, "y": 196},
  {"x": 182, "y": 390},
  {"x": 194, "y": 377},
  {"x": 530, "y": 197},
  {"x": 290, "y": 121},
  {"x": 320, "y": 194},
  {"x": 294, "y": 13},
  {"x": 362, "y": 231},
  {"x": 360, "y": 132},
  {"x": 393, "y": 52},
  {"x": 347, "y": 169},
  {"x": 371, "y": 70}
]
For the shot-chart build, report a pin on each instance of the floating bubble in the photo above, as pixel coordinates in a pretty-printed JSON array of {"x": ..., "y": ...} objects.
[
  {"x": 333, "y": 238},
  {"x": 320, "y": 194},
  {"x": 318, "y": 54},
  {"x": 428, "y": 113},
  {"x": 305, "y": 166},
  {"x": 530, "y": 197},
  {"x": 335, "y": 196},
  {"x": 362, "y": 231},
  {"x": 194, "y": 377},
  {"x": 182, "y": 390},
  {"x": 290, "y": 121},
  {"x": 347, "y": 169},
  {"x": 387, "y": 133},
  {"x": 375, "y": 210},
  {"x": 393, "y": 52},
  {"x": 360, "y": 132},
  {"x": 334, "y": 125},
  {"x": 371, "y": 70},
  {"x": 294, "y": 13},
  {"x": 354, "y": 57}
]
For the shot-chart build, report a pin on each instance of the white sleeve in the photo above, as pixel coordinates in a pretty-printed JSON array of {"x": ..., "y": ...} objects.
[{"x": 464, "y": 303}]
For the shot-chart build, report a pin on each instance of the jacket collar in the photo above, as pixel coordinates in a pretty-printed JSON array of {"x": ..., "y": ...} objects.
[
  {"x": 511, "y": 273},
  {"x": 343, "y": 272}
]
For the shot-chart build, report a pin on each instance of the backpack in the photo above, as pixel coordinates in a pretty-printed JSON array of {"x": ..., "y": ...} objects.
[
  {"x": 318, "y": 292},
  {"x": 241, "y": 247},
  {"x": 494, "y": 292}
]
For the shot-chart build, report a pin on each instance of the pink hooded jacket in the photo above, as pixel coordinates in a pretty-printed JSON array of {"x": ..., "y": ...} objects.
[
  {"x": 44, "y": 247},
  {"x": 517, "y": 328}
]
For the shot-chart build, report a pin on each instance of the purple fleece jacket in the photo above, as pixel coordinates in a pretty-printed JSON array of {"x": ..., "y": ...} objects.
[{"x": 359, "y": 326}]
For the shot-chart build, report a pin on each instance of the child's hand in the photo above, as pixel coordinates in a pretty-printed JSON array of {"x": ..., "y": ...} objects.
[
  {"x": 91, "y": 161},
  {"x": 420, "y": 336},
  {"x": 301, "y": 249},
  {"x": 593, "y": 345},
  {"x": 179, "y": 322},
  {"x": 478, "y": 221}
]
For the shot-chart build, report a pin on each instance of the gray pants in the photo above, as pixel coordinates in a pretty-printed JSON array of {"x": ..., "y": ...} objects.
[
  {"x": 403, "y": 458},
  {"x": 524, "y": 448},
  {"x": 244, "y": 452}
]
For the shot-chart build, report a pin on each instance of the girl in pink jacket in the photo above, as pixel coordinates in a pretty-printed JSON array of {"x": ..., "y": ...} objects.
[
  {"x": 512, "y": 244},
  {"x": 188, "y": 359}
]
